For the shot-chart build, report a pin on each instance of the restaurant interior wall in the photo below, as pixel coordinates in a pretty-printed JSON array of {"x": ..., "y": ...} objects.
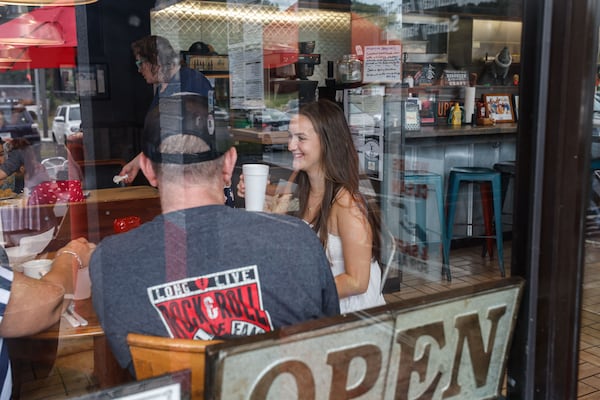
[
  {"x": 190, "y": 21},
  {"x": 114, "y": 123}
]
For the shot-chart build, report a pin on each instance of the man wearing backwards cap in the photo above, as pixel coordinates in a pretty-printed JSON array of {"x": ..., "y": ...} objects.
[{"x": 187, "y": 273}]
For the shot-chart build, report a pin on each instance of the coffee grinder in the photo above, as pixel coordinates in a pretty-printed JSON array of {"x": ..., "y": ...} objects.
[{"x": 304, "y": 68}]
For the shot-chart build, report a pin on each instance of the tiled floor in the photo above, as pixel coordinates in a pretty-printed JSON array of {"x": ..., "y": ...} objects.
[{"x": 72, "y": 376}]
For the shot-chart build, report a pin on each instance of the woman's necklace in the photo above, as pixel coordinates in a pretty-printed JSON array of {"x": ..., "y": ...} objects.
[{"x": 315, "y": 204}]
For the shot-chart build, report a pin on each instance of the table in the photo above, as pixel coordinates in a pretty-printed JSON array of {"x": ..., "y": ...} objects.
[
  {"x": 106, "y": 369},
  {"x": 93, "y": 218},
  {"x": 42, "y": 347}
]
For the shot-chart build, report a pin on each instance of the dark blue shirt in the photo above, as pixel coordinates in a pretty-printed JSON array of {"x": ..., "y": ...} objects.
[{"x": 185, "y": 80}]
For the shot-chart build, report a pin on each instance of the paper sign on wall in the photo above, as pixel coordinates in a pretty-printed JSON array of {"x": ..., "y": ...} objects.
[{"x": 382, "y": 64}]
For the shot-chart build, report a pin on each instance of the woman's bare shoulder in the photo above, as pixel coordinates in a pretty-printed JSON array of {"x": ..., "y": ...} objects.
[{"x": 344, "y": 198}]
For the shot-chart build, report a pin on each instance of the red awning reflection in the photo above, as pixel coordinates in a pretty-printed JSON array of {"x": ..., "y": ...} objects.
[{"x": 62, "y": 21}]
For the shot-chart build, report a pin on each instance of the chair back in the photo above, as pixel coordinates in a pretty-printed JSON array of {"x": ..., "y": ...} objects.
[
  {"x": 154, "y": 355},
  {"x": 390, "y": 261}
]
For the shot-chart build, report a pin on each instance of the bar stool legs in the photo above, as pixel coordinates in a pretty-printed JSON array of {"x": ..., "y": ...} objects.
[
  {"x": 479, "y": 175},
  {"x": 435, "y": 181},
  {"x": 507, "y": 171}
]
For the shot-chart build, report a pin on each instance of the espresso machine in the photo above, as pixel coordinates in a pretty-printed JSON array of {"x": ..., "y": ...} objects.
[{"x": 304, "y": 68}]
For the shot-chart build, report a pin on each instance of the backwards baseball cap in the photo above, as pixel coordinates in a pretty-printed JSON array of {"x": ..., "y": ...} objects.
[{"x": 182, "y": 114}]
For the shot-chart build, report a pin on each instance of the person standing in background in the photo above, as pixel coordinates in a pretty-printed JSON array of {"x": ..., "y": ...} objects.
[{"x": 160, "y": 65}]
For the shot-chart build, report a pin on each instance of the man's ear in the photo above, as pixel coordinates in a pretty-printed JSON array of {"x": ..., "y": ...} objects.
[
  {"x": 230, "y": 158},
  {"x": 146, "y": 167}
]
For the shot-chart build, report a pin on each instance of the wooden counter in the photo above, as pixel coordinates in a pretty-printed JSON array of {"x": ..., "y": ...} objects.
[
  {"x": 259, "y": 137},
  {"x": 94, "y": 217}
]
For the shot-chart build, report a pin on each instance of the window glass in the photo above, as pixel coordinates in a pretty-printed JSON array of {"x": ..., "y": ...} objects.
[{"x": 429, "y": 92}]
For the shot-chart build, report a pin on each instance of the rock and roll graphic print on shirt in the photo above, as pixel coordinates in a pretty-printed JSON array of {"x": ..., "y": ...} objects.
[{"x": 227, "y": 303}]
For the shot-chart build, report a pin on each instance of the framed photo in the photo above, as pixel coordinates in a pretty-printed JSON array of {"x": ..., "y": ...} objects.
[
  {"x": 92, "y": 81},
  {"x": 499, "y": 107},
  {"x": 411, "y": 117},
  {"x": 428, "y": 101}
]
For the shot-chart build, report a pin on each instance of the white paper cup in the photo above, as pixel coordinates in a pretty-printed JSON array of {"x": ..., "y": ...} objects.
[
  {"x": 36, "y": 268},
  {"x": 83, "y": 286},
  {"x": 255, "y": 181}
]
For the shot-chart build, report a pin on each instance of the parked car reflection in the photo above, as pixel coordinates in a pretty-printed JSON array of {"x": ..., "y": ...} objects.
[
  {"x": 221, "y": 115},
  {"x": 269, "y": 119},
  {"x": 17, "y": 123}
]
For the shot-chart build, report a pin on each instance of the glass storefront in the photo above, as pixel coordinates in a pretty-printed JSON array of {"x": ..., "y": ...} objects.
[{"x": 470, "y": 122}]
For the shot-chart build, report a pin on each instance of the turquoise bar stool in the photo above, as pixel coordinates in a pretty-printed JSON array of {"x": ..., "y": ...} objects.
[
  {"x": 436, "y": 183},
  {"x": 507, "y": 171},
  {"x": 485, "y": 177}
]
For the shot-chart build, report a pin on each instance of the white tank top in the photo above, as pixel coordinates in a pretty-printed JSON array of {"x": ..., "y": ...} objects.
[{"x": 372, "y": 297}]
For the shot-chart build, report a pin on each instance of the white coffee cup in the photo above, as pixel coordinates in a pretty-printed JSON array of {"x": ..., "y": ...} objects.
[
  {"x": 36, "y": 268},
  {"x": 83, "y": 285},
  {"x": 255, "y": 181}
]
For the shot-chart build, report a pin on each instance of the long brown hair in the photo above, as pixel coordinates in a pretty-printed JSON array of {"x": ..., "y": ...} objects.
[{"x": 340, "y": 165}]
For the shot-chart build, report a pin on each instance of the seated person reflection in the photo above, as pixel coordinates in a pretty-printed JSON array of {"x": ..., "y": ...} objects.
[
  {"x": 28, "y": 306},
  {"x": 13, "y": 183},
  {"x": 203, "y": 270},
  {"x": 24, "y": 157}
]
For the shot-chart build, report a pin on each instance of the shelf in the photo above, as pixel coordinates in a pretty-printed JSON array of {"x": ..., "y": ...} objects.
[{"x": 444, "y": 131}]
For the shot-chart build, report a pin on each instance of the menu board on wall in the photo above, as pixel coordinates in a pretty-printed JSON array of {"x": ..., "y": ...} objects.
[
  {"x": 382, "y": 64},
  {"x": 246, "y": 67}
]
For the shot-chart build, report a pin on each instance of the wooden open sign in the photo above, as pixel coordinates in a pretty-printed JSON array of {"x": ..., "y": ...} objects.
[{"x": 451, "y": 344}]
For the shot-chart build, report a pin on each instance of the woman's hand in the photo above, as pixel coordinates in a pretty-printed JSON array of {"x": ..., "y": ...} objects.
[{"x": 279, "y": 204}]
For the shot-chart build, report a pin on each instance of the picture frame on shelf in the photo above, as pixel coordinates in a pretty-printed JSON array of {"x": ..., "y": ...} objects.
[
  {"x": 208, "y": 64},
  {"x": 499, "y": 107}
]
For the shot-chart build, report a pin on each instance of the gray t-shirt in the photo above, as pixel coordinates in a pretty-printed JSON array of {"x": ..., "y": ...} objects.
[{"x": 210, "y": 272}]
